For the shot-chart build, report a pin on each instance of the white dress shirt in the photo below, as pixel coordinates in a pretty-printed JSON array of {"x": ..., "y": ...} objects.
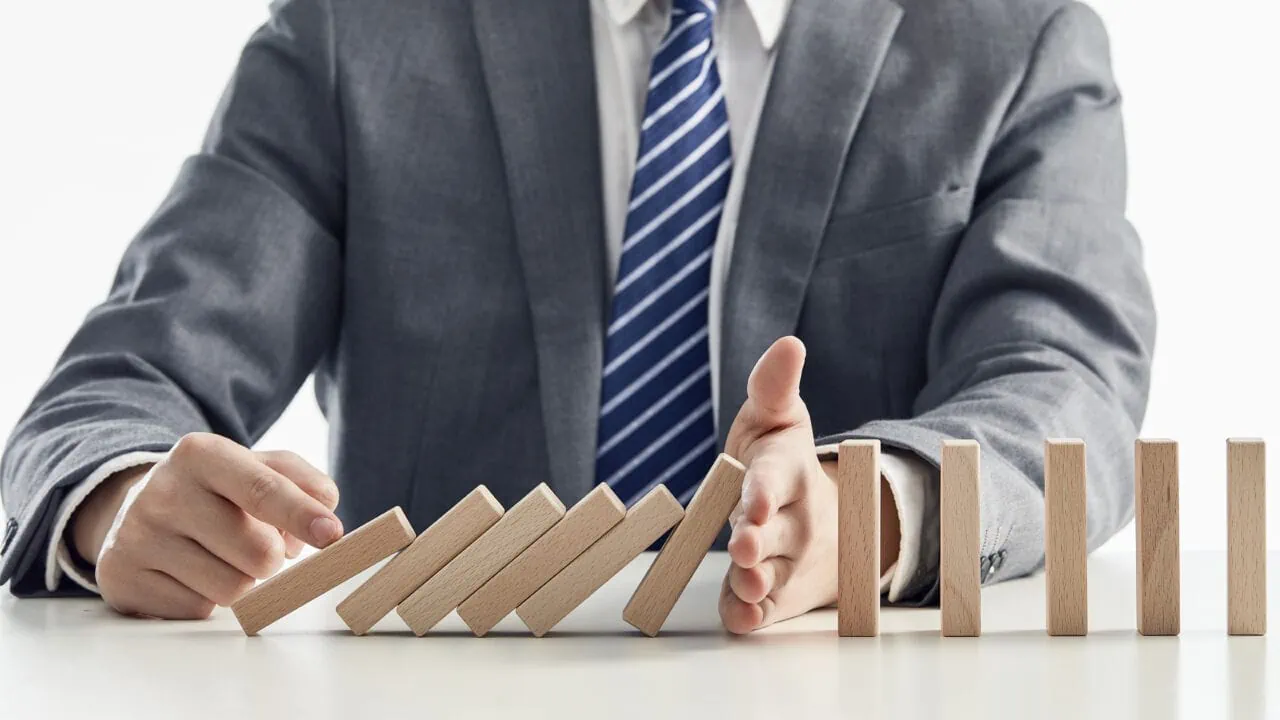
[{"x": 625, "y": 34}]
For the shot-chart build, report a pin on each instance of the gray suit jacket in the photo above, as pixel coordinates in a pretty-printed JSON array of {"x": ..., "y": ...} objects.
[{"x": 403, "y": 197}]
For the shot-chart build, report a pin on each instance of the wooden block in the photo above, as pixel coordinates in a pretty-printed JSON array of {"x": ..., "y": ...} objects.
[
  {"x": 645, "y": 522},
  {"x": 858, "y": 487},
  {"x": 671, "y": 571},
  {"x": 1246, "y": 537},
  {"x": 312, "y": 577},
  {"x": 585, "y": 523},
  {"x": 1156, "y": 487},
  {"x": 1065, "y": 538},
  {"x": 961, "y": 584},
  {"x": 406, "y": 572},
  {"x": 499, "y": 545}
]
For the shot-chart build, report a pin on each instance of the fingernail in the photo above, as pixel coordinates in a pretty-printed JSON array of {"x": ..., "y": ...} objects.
[{"x": 325, "y": 530}]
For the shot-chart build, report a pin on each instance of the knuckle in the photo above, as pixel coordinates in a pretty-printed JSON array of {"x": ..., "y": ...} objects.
[
  {"x": 264, "y": 553},
  {"x": 194, "y": 445},
  {"x": 261, "y": 488}
]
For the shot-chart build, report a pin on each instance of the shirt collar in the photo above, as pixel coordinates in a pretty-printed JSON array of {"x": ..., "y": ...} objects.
[{"x": 769, "y": 15}]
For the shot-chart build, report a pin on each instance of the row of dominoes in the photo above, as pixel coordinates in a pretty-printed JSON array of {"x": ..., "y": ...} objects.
[
  {"x": 1156, "y": 497},
  {"x": 536, "y": 559}
]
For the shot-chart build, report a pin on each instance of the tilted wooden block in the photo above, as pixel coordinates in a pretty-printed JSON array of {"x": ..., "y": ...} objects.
[
  {"x": 645, "y": 522},
  {"x": 1065, "y": 538},
  {"x": 585, "y": 523},
  {"x": 406, "y": 572},
  {"x": 311, "y": 577},
  {"x": 1246, "y": 537},
  {"x": 961, "y": 598},
  {"x": 499, "y": 545},
  {"x": 858, "y": 538},
  {"x": 684, "y": 549},
  {"x": 1159, "y": 577}
]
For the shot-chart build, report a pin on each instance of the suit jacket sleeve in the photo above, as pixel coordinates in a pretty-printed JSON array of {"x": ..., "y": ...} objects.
[
  {"x": 1044, "y": 326},
  {"x": 221, "y": 306}
]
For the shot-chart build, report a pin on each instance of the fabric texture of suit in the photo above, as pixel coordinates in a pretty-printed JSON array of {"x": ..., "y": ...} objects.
[{"x": 404, "y": 198}]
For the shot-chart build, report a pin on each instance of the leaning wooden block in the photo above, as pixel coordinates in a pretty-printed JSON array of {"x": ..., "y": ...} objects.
[
  {"x": 858, "y": 539},
  {"x": 585, "y": 523},
  {"x": 684, "y": 549},
  {"x": 499, "y": 545},
  {"x": 1246, "y": 537},
  {"x": 1159, "y": 584},
  {"x": 311, "y": 577},
  {"x": 961, "y": 598},
  {"x": 645, "y": 522},
  {"x": 406, "y": 572},
  {"x": 1066, "y": 573}
]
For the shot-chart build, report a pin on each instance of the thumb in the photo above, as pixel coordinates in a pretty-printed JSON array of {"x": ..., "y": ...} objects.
[{"x": 774, "y": 386}]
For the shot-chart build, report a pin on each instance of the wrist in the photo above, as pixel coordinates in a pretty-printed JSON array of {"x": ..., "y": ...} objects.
[{"x": 91, "y": 521}]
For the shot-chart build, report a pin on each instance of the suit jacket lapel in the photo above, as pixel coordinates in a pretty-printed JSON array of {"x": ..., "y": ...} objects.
[
  {"x": 539, "y": 67},
  {"x": 829, "y": 57}
]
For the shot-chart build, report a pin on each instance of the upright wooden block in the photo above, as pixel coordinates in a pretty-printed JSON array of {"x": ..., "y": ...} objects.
[
  {"x": 858, "y": 538},
  {"x": 1159, "y": 586},
  {"x": 645, "y": 522},
  {"x": 1246, "y": 537},
  {"x": 961, "y": 598},
  {"x": 585, "y": 523},
  {"x": 406, "y": 572},
  {"x": 684, "y": 549},
  {"x": 311, "y": 577},
  {"x": 1065, "y": 538},
  {"x": 499, "y": 545}
]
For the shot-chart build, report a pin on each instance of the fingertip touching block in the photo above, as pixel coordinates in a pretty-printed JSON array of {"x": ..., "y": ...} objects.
[
  {"x": 585, "y": 523},
  {"x": 519, "y": 527},
  {"x": 1159, "y": 576},
  {"x": 416, "y": 564},
  {"x": 1246, "y": 537},
  {"x": 313, "y": 576},
  {"x": 961, "y": 581},
  {"x": 684, "y": 549},
  {"x": 1065, "y": 539},
  {"x": 645, "y": 522},
  {"x": 858, "y": 537}
]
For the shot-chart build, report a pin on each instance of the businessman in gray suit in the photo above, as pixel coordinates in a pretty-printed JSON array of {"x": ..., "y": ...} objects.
[{"x": 583, "y": 241}]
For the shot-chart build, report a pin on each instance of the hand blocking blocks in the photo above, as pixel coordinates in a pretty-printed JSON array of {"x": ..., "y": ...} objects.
[{"x": 536, "y": 559}]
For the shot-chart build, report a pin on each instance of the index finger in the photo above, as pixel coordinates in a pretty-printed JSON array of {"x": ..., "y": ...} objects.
[
  {"x": 772, "y": 482},
  {"x": 236, "y": 474}
]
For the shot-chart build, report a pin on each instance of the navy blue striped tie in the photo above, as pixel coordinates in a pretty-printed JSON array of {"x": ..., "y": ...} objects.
[{"x": 656, "y": 419}]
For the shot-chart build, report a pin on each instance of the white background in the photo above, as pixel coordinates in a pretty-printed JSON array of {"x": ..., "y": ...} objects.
[{"x": 101, "y": 101}]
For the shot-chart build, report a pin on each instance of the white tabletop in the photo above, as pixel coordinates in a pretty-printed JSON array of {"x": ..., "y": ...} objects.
[{"x": 73, "y": 657}]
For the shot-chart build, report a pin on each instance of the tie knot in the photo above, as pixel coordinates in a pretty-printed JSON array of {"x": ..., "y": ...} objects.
[{"x": 687, "y": 7}]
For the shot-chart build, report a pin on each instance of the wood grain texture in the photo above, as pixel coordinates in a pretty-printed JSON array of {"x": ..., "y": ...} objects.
[
  {"x": 524, "y": 523},
  {"x": 684, "y": 549},
  {"x": 961, "y": 583},
  {"x": 406, "y": 572},
  {"x": 1065, "y": 538},
  {"x": 1246, "y": 537},
  {"x": 858, "y": 533},
  {"x": 585, "y": 523},
  {"x": 645, "y": 522},
  {"x": 1159, "y": 585},
  {"x": 313, "y": 576}
]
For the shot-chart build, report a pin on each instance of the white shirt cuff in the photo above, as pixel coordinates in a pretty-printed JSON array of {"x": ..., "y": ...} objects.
[
  {"x": 58, "y": 562},
  {"x": 907, "y": 475}
]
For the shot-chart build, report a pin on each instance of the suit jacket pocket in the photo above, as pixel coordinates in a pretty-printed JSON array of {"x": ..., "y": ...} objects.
[{"x": 855, "y": 233}]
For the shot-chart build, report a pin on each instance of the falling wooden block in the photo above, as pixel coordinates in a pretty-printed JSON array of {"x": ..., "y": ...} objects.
[
  {"x": 585, "y": 523},
  {"x": 684, "y": 549},
  {"x": 406, "y": 572},
  {"x": 961, "y": 584},
  {"x": 858, "y": 538},
  {"x": 1065, "y": 538},
  {"x": 645, "y": 522},
  {"x": 1246, "y": 537},
  {"x": 499, "y": 545},
  {"x": 311, "y": 577},
  {"x": 1159, "y": 587}
]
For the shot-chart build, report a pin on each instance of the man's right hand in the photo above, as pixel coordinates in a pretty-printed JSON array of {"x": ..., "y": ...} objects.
[{"x": 196, "y": 529}]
